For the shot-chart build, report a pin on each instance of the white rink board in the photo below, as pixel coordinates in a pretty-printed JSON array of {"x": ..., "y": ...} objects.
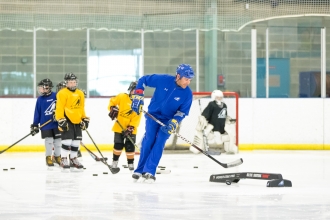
[{"x": 261, "y": 121}]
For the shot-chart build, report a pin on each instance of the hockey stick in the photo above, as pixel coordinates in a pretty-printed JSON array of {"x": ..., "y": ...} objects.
[
  {"x": 24, "y": 137},
  {"x": 225, "y": 165},
  {"x": 205, "y": 138},
  {"x": 129, "y": 137},
  {"x": 96, "y": 158},
  {"x": 104, "y": 160}
]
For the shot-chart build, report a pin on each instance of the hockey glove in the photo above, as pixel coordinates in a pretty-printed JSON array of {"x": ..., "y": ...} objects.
[
  {"x": 34, "y": 129},
  {"x": 170, "y": 127},
  {"x": 63, "y": 124},
  {"x": 84, "y": 123},
  {"x": 137, "y": 101},
  {"x": 113, "y": 112},
  {"x": 129, "y": 131}
]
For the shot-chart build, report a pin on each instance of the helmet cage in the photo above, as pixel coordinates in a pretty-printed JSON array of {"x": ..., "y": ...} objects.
[{"x": 45, "y": 87}]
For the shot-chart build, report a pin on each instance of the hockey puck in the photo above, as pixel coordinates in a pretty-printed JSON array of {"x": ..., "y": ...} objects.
[
  {"x": 125, "y": 166},
  {"x": 162, "y": 168},
  {"x": 94, "y": 174},
  {"x": 13, "y": 168},
  {"x": 84, "y": 168},
  {"x": 5, "y": 169},
  {"x": 105, "y": 172},
  {"x": 195, "y": 167}
]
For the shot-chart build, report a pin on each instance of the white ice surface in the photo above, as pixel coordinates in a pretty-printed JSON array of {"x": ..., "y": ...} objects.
[{"x": 33, "y": 192}]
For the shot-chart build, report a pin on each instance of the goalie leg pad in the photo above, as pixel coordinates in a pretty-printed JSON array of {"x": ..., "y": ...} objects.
[
  {"x": 208, "y": 129},
  {"x": 218, "y": 138},
  {"x": 230, "y": 147},
  {"x": 198, "y": 141}
]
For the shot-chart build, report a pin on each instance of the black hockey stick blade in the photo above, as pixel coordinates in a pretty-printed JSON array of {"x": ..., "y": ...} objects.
[{"x": 225, "y": 165}]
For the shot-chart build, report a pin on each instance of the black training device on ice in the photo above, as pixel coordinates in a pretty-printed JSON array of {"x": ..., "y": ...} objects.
[{"x": 275, "y": 179}]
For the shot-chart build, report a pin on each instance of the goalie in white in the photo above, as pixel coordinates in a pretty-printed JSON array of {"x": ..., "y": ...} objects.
[{"x": 217, "y": 126}]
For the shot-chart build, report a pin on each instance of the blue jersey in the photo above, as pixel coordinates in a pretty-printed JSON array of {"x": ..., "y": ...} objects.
[
  {"x": 44, "y": 110},
  {"x": 169, "y": 100}
]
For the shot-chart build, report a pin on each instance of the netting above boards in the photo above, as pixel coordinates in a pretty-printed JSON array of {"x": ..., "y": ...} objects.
[{"x": 150, "y": 15}]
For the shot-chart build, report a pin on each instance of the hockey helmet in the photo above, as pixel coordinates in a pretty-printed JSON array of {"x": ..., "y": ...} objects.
[
  {"x": 45, "y": 87},
  {"x": 60, "y": 86},
  {"x": 131, "y": 87},
  {"x": 185, "y": 70},
  {"x": 71, "y": 77},
  {"x": 217, "y": 96}
]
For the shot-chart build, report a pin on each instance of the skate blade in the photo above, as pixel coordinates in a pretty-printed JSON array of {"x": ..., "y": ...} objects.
[{"x": 114, "y": 170}]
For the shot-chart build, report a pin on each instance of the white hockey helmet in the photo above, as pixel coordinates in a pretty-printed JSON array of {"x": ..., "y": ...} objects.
[{"x": 217, "y": 96}]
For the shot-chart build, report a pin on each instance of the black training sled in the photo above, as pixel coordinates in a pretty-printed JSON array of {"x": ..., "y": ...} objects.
[{"x": 275, "y": 179}]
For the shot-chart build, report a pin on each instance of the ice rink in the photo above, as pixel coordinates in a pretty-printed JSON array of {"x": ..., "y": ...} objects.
[{"x": 30, "y": 191}]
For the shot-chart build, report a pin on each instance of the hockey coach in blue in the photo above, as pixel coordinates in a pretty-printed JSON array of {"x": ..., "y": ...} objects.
[{"x": 170, "y": 104}]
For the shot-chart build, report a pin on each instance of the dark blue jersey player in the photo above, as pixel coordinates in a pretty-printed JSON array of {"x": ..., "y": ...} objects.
[
  {"x": 170, "y": 103},
  {"x": 44, "y": 111}
]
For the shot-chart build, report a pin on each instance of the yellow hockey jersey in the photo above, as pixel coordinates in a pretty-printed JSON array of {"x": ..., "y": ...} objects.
[
  {"x": 71, "y": 104},
  {"x": 126, "y": 116}
]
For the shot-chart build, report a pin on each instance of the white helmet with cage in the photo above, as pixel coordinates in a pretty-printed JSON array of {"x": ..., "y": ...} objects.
[{"x": 217, "y": 96}]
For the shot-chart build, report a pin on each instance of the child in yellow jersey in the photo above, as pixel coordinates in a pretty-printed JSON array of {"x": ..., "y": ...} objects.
[
  {"x": 71, "y": 118},
  {"x": 127, "y": 119}
]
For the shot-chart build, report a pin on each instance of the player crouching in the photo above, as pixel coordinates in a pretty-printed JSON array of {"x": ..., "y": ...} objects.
[{"x": 215, "y": 128}]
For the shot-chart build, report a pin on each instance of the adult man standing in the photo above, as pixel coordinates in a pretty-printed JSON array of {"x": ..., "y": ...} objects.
[{"x": 170, "y": 104}]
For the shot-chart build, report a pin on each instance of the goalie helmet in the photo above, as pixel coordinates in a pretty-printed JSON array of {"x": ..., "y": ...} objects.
[
  {"x": 69, "y": 77},
  {"x": 45, "y": 87},
  {"x": 185, "y": 70},
  {"x": 217, "y": 96},
  {"x": 60, "y": 86}
]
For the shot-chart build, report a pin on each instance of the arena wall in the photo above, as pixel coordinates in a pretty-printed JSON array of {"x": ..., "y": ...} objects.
[{"x": 283, "y": 124}]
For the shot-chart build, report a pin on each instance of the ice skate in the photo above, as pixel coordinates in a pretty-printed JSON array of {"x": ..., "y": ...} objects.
[
  {"x": 114, "y": 167},
  {"x": 57, "y": 161},
  {"x": 131, "y": 167},
  {"x": 136, "y": 176},
  {"x": 65, "y": 164},
  {"x": 148, "y": 178},
  {"x": 49, "y": 163},
  {"x": 75, "y": 165}
]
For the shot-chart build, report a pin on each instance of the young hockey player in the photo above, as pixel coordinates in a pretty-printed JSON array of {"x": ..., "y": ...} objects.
[
  {"x": 60, "y": 86},
  {"x": 170, "y": 103},
  {"x": 216, "y": 125},
  {"x": 120, "y": 109},
  {"x": 71, "y": 118},
  {"x": 43, "y": 112}
]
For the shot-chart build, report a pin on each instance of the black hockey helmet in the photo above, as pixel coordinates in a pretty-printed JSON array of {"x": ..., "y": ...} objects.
[
  {"x": 45, "y": 87},
  {"x": 71, "y": 77},
  {"x": 131, "y": 87},
  {"x": 60, "y": 86}
]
